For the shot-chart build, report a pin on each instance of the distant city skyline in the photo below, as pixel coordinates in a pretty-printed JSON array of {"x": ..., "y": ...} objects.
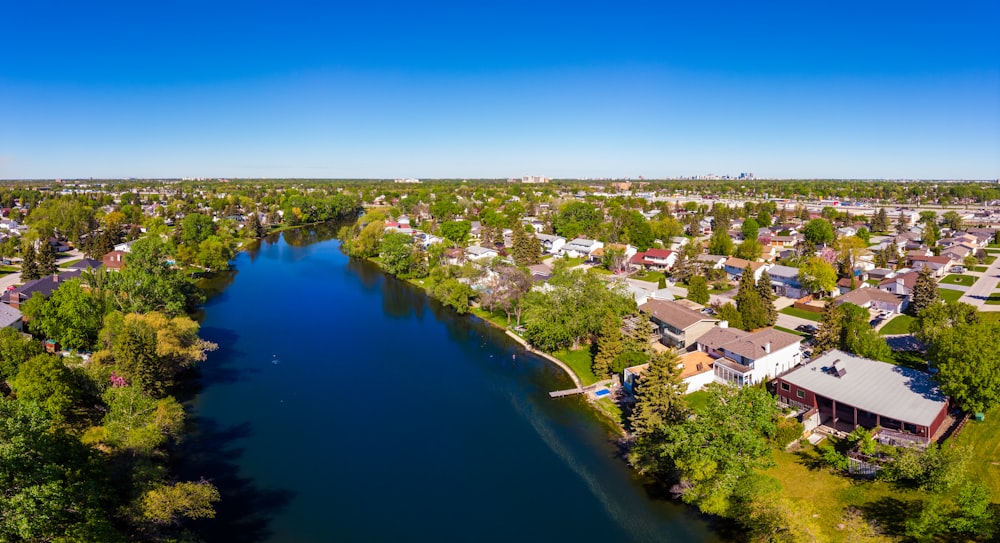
[{"x": 459, "y": 90}]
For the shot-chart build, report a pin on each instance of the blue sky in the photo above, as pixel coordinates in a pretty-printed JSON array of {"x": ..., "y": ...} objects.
[{"x": 473, "y": 89}]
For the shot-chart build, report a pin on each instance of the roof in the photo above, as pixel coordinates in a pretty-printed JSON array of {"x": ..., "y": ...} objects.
[
  {"x": 761, "y": 343},
  {"x": 85, "y": 264},
  {"x": 695, "y": 362},
  {"x": 674, "y": 314},
  {"x": 734, "y": 262},
  {"x": 658, "y": 253},
  {"x": 720, "y": 336},
  {"x": 44, "y": 285},
  {"x": 710, "y": 258},
  {"x": 8, "y": 315},
  {"x": 478, "y": 251},
  {"x": 908, "y": 279},
  {"x": 783, "y": 271},
  {"x": 891, "y": 391},
  {"x": 861, "y": 296},
  {"x": 932, "y": 259}
]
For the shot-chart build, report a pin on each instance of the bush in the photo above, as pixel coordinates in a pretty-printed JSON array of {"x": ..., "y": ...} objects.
[
  {"x": 789, "y": 429},
  {"x": 832, "y": 457}
]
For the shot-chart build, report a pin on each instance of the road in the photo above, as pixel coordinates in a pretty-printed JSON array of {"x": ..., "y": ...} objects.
[{"x": 983, "y": 288}]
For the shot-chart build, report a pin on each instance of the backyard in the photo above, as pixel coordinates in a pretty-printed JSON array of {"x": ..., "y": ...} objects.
[
  {"x": 949, "y": 295},
  {"x": 802, "y": 314},
  {"x": 579, "y": 361},
  {"x": 898, "y": 325}
]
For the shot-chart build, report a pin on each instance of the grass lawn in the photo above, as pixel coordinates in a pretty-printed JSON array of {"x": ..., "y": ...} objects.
[
  {"x": 498, "y": 318},
  {"x": 957, "y": 279},
  {"x": 898, "y": 325},
  {"x": 579, "y": 361},
  {"x": 989, "y": 316},
  {"x": 802, "y": 314},
  {"x": 806, "y": 480},
  {"x": 651, "y": 276},
  {"x": 610, "y": 409},
  {"x": 910, "y": 359},
  {"x": 994, "y": 299},
  {"x": 70, "y": 263},
  {"x": 790, "y": 331},
  {"x": 725, "y": 288},
  {"x": 573, "y": 261},
  {"x": 697, "y": 400},
  {"x": 989, "y": 259},
  {"x": 980, "y": 268},
  {"x": 950, "y": 295},
  {"x": 984, "y": 437},
  {"x": 599, "y": 270}
]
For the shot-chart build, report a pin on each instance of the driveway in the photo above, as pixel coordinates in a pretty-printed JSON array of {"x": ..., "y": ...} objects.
[
  {"x": 790, "y": 322},
  {"x": 984, "y": 287}
]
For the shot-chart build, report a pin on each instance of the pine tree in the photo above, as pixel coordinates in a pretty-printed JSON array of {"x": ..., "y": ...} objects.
[
  {"x": 748, "y": 302},
  {"x": 902, "y": 223},
  {"x": 253, "y": 227},
  {"x": 767, "y": 298},
  {"x": 29, "y": 267},
  {"x": 609, "y": 346},
  {"x": 925, "y": 291},
  {"x": 831, "y": 328},
  {"x": 880, "y": 222},
  {"x": 659, "y": 396},
  {"x": 46, "y": 260},
  {"x": 698, "y": 290},
  {"x": 523, "y": 250}
]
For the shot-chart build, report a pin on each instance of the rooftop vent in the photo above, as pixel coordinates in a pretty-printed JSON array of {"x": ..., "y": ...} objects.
[{"x": 841, "y": 372}]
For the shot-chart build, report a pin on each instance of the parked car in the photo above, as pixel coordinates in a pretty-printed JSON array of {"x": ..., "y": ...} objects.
[{"x": 958, "y": 269}]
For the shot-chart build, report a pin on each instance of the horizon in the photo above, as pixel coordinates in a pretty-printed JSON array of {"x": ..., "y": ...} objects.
[{"x": 312, "y": 90}]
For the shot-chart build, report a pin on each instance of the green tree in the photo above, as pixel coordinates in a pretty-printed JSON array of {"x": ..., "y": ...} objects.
[
  {"x": 253, "y": 227},
  {"x": 454, "y": 294},
  {"x": 767, "y": 298},
  {"x": 366, "y": 243},
  {"x": 196, "y": 228},
  {"x": 29, "y": 264},
  {"x": 750, "y": 229},
  {"x": 659, "y": 401},
  {"x": 939, "y": 317},
  {"x": 609, "y": 345},
  {"x": 968, "y": 359},
  {"x": 880, "y": 221},
  {"x": 15, "y": 350},
  {"x": 925, "y": 291},
  {"x": 748, "y": 302},
  {"x": 46, "y": 380},
  {"x": 214, "y": 253},
  {"x": 46, "y": 259},
  {"x": 846, "y": 327},
  {"x": 720, "y": 243},
  {"x": 456, "y": 231},
  {"x": 952, "y": 220},
  {"x": 136, "y": 421},
  {"x": 524, "y": 249},
  {"x": 72, "y": 316},
  {"x": 170, "y": 503},
  {"x": 818, "y": 232},
  {"x": 902, "y": 223},
  {"x": 728, "y": 312},
  {"x": 749, "y": 249},
  {"x": 818, "y": 275},
  {"x": 576, "y": 218},
  {"x": 864, "y": 235},
  {"x": 698, "y": 290},
  {"x": 397, "y": 253}
]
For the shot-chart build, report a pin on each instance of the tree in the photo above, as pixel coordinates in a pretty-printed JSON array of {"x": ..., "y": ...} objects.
[
  {"x": 196, "y": 228},
  {"x": 396, "y": 253},
  {"x": 253, "y": 227},
  {"x": 846, "y": 327},
  {"x": 749, "y": 303},
  {"x": 767, "y": 298},
  {"x": 576, "y": 218},
  {"x": 659, "y": 399},
  {"x": 609, "y": 345},
  {"x": 698, "y": 290},
  {"x": 368, "y": 240},
  {"x": 849, "y": 249},
  {"x": 818, "y": 275},
  {"x": 169, "y": 503},
  {"x": 938, "y": 317},
  {"x": 456, "y": 231},
  {"x": 929, "y": 234},
  {"x": 968, "y": 360},
  {"x": 136, "y": 421},
  {"x": 46, "y": 259},
  {"x": 46, "y": 380},
  {"x": 720, "y": 243},
  {"x": 902, "y": 223},
  {"x": 614, "y": 258},
  {"x": 29, "y": 265},
  {"x": 925, "y": 291},
  {"x": 15, "y": 350},
  {"x": 750, "y": 229},
  {"x": 454, "y": 294},
  {"x": 818, "y": 231},
  {"x": 72, "y": 316},
  {"x": 952, "y": 220},
  {"x": 523, "y": 250},
  {"x": 880, "y": 221},
  {"x": 728, "y": 312},
  {"x": 749, "y": 249}
]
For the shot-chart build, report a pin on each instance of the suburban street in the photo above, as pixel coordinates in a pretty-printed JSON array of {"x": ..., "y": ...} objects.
[{"x": 979, "y": 292}]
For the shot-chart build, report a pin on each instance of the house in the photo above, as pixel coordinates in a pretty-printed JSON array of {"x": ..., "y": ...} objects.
[
  {"x": 873, "y": 298},
  {"x": 540, "y": 272},
  {"x": 43, "y": 286},
  {"x": 551, "y": 244},
  {"x": 581, "y": 247},
  {"x": 10, "y": 317},
  {"x": 627, "y": 251},
  {"x": 480, "y": 253},
  {"x": 712, "y": 262},
  {"x": 785, "y": 281},
  {"x": 846, "y": 284},
  {"x": 746, "y": 358},
  {"x": 901, "y": 284},
  {"x": 881, "y": 273},
  {"x": 696, "y": 372},
  {"x": 937, "y": 264},
  {"x": 849, "y": 391},
  {"x": 85, "y": 264},
  {"x": 678, "y": 326},
  {"x": 655, "y": 259},
  {"x": 735, "y": 266},
  {"x": 124, "y": 247},
  {"x": 115, "y": 260},
  {"x": 677, "y": 242}
]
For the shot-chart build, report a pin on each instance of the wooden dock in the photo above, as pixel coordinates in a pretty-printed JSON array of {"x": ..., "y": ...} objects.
[{"x": 567, "y": 392}]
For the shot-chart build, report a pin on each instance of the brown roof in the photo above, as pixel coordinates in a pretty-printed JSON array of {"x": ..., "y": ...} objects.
[
  {"x": 734, "y": 262},
  {"x": 720, "y": 336},
  {"x": 759, "y": 343},
  {"x": 862, "y": 296},
  {"x": 672, "y": 313},
  {"x": 933, "y": 259},
  {"x": 909, "y": 280},
  {"x": 694, "y": 363}
]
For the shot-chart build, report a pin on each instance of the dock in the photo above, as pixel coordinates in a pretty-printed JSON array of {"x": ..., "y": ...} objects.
[{"x": 567, "y": 392}]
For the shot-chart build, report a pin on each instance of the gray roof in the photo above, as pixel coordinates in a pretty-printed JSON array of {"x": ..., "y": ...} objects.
[
  {"x": 783, "y": 271},
  {"x": 673, "y": 313},
  {"x": 891, "y": 391},
  {"x": 8, "y": 315},
  {"x": 719, "y": 336},
  {"x": 478, "y": 251},
  {"x": 760, "y": 343},
  {"x": 579, "y": 243}
]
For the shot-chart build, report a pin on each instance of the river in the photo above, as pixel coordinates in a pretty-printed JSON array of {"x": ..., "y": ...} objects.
[{"x": 345, "y": 405}]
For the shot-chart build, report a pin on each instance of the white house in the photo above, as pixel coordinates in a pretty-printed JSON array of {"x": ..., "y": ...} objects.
[
  {"x": 551, "y": 244},
  {"x": 480, "y": 253},
  {"x": 746, "y": 358},
  {"x": 581, "y": 247}
]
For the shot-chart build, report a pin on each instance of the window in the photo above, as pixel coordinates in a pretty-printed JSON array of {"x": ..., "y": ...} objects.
[
  {"x": 785, "y": 387},
  {"x": 800, "y": 394}
]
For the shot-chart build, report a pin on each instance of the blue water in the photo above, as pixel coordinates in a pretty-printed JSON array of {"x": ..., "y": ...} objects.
[{"x": 344, "y": 405}]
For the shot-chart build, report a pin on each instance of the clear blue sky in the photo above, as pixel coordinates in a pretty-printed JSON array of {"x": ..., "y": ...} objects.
[{"x": 879, "y": 89}]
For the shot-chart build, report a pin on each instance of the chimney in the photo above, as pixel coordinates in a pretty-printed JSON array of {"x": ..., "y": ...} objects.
[
  {"x": 723, "y": 324},
  {"x": 767, "y": 347},
  {"x": 55, "y": 277}
]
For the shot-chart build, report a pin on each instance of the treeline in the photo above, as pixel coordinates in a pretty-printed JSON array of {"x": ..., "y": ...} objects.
[{"x": 84, "y": 441}]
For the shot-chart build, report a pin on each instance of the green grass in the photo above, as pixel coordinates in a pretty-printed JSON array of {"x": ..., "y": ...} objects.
[
  {"x": 898, "y": 325},
  {"x": 989, "y": 259},
  {"x": 579, "y": 361},
  {"x": 910, "y": 359},
  {"x": 725, "y": 288},
  {"x": 697, "y": 400},
  {"x": 950, "y": 295},
  {"x": 984, "y": 437},
  {"x": 802, "y": 314},
  {"x": 651, "y": 276},
  {"x": 989, "y": 316},
  {"x": 994, "y": 299},
  {"x": 956, "y": 279},
  {"x": 599, "y": 271},
  {"x": 610, "y": 409},
  {"x": 783, "y": 329},
  {"x": 573, "y": 261},
  {"x": 873, "y": 282},
  {"x": 498, "y": 318},
  {"x": 70, "y": 263},
  {"x": 980, "y": 268}
]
